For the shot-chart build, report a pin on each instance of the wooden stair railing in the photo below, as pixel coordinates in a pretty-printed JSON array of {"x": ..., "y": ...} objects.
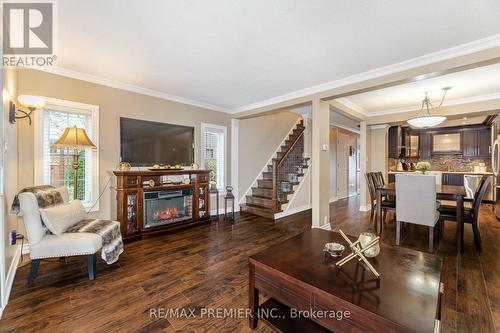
[{"x": 280, "y": 167}]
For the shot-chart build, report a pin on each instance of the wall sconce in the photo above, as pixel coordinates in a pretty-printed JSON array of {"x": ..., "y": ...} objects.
[{"x": 28, "y": 101}]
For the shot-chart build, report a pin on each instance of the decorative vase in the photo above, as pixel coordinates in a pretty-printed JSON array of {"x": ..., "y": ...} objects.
[{"x": 365, "y": 238}]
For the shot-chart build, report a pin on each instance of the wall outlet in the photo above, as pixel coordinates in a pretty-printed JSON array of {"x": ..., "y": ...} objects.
[{"x": 14, "y": 237}]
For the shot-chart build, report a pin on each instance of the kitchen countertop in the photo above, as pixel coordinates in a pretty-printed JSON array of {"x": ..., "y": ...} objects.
[{"x": 457, "y": 172}]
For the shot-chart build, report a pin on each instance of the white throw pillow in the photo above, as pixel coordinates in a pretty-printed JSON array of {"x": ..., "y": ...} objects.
[{"x": 61, "y": 217}]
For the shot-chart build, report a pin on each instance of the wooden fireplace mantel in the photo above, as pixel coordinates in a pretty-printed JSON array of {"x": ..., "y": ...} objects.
[{"x": 131, "y": 186}]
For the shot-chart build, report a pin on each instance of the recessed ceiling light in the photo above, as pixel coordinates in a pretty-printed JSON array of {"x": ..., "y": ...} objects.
[
  {"x": 464, "y": 122},
  {"x": 464, "y": 118}
]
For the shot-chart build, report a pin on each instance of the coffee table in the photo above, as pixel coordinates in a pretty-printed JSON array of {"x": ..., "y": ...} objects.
[{"x": 296, "y": 275}]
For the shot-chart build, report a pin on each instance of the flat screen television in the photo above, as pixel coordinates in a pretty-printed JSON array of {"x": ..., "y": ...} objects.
[{"x": 144, "y": 143}]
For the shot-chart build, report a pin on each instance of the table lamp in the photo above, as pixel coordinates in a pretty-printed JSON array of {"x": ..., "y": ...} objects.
[{"x": 77, "y": 139}]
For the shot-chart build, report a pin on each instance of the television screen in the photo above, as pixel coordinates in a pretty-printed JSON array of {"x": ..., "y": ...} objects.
[{"x": 144, "y": 143}]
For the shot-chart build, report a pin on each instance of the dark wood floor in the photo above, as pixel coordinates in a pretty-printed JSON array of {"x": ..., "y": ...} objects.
[{"x": 207, "y": 267}]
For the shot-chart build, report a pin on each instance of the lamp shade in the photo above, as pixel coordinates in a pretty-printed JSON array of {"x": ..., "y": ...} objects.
[
  {"x": 31, "y": 102},
  {"x": 426, "y": 121},
  {"x": 76, "y": 138}
]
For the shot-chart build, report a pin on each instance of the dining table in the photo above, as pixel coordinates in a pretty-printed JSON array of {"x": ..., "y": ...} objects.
[{"x": 443, "y": 192}]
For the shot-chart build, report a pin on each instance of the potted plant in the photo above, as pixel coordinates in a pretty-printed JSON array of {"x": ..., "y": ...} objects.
[{"x": 423, "y": 167}]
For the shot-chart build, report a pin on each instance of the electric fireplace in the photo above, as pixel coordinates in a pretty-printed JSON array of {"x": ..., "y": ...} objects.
[{"x": 169, "y": 206}]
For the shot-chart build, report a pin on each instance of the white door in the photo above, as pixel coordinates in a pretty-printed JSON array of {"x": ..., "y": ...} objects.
[{"x": 342, "y": 165}]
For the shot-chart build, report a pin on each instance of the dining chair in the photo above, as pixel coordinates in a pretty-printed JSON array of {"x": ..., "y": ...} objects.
[
  {"x": 387, "y": 205},
  {"x": 416, "y": 203},
  {"x": 471, "y": 214}
]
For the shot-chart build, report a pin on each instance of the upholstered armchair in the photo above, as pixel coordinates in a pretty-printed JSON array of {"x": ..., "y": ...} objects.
[{"x": 45, "y": 245}]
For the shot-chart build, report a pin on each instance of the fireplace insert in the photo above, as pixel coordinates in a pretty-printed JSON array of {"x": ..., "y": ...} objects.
[{"x": 165, "y": 207}]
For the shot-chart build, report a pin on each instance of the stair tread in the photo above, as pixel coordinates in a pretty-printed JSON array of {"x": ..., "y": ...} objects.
[{"x": 260, "y": 208}]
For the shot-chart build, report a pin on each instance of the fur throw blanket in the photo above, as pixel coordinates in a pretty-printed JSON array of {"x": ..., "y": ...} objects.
[
  {"x": 112, "y": 244},
  {"x": 46, "y": 195}
]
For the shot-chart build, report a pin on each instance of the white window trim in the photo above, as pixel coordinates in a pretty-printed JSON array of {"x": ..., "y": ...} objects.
[
  {"x": 205, "y": 126},
  {"x": 75, "y": 107}
]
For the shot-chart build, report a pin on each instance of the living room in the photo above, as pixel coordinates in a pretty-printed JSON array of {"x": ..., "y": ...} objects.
[{"x": 234, "y": 166}]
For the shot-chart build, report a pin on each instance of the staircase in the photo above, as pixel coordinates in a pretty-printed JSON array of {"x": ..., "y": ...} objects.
[{"x": 278, "y": 181}]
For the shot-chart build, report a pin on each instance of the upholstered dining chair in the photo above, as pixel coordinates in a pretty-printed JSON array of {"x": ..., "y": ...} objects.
[
  {"x": 44, "y": 245},
  {"x": 416, "y": 203},
  {"x": 471, "y": 214}
]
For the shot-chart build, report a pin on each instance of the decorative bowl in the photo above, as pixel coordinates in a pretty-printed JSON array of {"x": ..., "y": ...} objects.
[{"x": 334, "y": 249}]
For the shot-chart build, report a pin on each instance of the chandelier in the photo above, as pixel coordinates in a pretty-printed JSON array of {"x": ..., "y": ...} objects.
[{"x": 428, "y": 120}]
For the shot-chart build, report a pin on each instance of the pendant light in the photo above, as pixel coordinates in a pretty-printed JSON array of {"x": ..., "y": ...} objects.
[{"x": 428, "y": 120}]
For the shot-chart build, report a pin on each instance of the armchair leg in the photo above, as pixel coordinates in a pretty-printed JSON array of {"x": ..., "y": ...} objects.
[
  {"x": 91, "y": 266},
  {"x": 35, "y": 263}
]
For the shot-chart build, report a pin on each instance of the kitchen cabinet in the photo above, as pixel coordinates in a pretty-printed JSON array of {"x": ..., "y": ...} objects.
[
  {"x": 394, "y": 141},
  {"x": 447, "y": 143},
  {"x": 453, "y": 179},
  {"x": 411, "y": 140},
  {"x": 484, "y": 142},
  {"x": 425, "y": 145},
  {"x": 477, "y": 142},
  {"x": 391, "y": 178}
]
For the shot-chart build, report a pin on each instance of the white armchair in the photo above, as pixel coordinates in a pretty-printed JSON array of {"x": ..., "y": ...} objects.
[
  {"x": 44, "y": 245},
  {"x": 416, "y": 203}
]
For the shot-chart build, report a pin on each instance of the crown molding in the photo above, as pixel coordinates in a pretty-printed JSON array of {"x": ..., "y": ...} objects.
[
  {"x": 452, "y": 102},
  {"x": 129, "y": 87},
  {"x": 446, "y": 54},
  {"x": 377, "y": 127}
]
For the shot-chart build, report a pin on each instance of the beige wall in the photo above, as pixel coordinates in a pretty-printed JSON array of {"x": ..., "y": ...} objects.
[
  {"x": 378, "y": 149},
  {"x": 10, "y": 88},
  {"x": 258, "y": 139},
  {"x": 113, "y": 103}
]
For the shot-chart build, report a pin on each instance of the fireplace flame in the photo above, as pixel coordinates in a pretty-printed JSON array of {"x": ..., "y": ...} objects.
[{"x": 167, "y": 213}]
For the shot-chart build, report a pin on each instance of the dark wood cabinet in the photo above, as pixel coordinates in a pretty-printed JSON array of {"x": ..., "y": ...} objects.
[
  {"x": 425, "y": 144},
  {"x": 391, "y": 178},
  {"x": 134, "y": 188},
  {"x": 456, "y": 179},
  {"x": 394, "y": 141},
  {"x": 470, "y": 143},
  {"x": 477, "y": 142},
  {"x": 484, "y": 142}
]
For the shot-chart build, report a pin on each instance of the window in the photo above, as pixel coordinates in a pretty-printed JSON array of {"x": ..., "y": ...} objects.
[
  {"x": 213, "y": 152},
  {"x": 55, "y": 166}
]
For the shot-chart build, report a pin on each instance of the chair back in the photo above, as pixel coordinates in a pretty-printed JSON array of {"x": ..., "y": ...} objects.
[
  {"x": 380, "y": 178},
  {"x": 479, "y": 195},
  {"x": 30, "y": 211},
  {"x": 416, "y": 199},
  {"x": 371, "y": 187}
]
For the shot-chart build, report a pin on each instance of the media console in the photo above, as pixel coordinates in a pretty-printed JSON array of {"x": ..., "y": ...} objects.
[{"x": 163, "y": 201}]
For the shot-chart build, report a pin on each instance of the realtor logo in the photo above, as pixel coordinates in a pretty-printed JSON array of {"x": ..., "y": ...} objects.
[{"x": 28, "y": 33}]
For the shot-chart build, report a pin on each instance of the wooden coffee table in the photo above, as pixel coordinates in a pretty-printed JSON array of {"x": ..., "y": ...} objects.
[{"x": 297, "y": 276}]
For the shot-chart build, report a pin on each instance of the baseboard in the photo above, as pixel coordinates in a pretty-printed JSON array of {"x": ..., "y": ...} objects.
[
  {"x": 9, "y": 279},
  {"x": 326, "y": 226},
  {"x": 292, "y": 211},
  {"x": 365, "y": 208},
  {"x": 333, "y": 199}
]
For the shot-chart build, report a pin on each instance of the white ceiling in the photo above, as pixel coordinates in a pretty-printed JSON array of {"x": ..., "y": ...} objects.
[
  {"x": 477, "y": 84},
  {"x": 232, "y": 53}
]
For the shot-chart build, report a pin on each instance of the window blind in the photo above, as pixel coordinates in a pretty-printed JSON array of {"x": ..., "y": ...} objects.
[
  {"x": 214, "y": 154},
  {"x": 57, "y": 163}
]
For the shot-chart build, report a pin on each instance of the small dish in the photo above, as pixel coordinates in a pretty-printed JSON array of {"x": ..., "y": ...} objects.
[{"x": 334, "y": 249}]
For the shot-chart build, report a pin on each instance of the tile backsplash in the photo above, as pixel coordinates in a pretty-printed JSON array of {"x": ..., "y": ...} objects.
[{"x": 449, "y": 163}]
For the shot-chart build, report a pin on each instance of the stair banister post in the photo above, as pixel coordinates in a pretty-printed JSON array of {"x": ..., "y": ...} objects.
[{"x": 275, "y": 185}]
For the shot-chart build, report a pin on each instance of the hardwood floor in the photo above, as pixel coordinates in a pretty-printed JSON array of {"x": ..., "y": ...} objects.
[{"x": 207, "y": 267}]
